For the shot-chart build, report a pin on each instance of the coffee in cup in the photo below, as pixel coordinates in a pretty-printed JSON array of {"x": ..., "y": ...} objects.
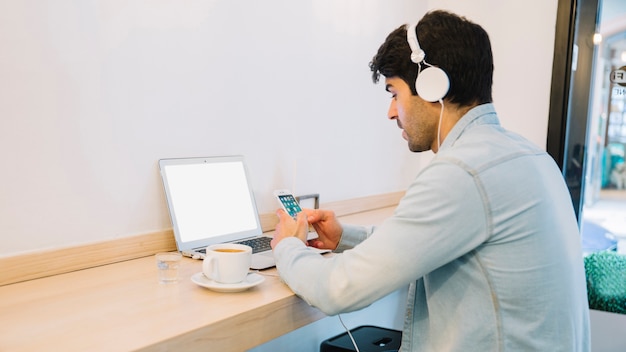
[
  {"x": 229, "y": 250},
  {"x": 227, "y": 263}
]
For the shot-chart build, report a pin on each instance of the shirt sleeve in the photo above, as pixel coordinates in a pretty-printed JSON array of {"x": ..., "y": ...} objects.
[
  {"x": 352, "y": 236},
  {"x": 441, "y": 217}
]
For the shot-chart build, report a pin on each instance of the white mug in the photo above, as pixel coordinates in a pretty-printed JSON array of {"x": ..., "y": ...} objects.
[{"x": 227, "y": 263}]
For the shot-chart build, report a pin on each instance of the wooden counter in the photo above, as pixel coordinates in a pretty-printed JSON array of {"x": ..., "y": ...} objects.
[{"x": 122, "y": 307}]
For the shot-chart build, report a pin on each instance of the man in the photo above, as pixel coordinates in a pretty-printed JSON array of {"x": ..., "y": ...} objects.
[{"x": 485, "y": 237}]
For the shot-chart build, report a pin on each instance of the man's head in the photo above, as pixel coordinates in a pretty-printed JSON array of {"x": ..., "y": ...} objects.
[
  {"x": 452, "y": 43},
  {"x": 459, "y": 47}
]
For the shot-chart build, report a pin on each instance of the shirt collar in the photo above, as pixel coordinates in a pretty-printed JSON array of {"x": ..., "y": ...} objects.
[{"x": 483, "y": 114}]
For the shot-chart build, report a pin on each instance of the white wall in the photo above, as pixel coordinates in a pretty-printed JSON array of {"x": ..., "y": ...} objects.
[{"x": 93, "y": 93}]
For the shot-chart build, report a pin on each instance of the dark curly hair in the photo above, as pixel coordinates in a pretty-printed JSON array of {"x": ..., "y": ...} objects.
[{"x": 460, "y": 47}]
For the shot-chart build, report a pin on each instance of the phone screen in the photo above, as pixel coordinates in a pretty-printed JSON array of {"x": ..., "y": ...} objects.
[{"x": 290, "y": 204}]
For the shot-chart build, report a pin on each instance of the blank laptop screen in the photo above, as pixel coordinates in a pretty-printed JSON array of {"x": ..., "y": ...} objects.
[{"x": 209, "y": 198}]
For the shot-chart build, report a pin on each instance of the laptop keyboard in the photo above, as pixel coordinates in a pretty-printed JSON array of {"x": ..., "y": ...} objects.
[{"x": 258, "y": 244}]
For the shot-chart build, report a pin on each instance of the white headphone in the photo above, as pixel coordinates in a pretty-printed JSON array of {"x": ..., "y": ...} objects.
[{"x": 432, "y": 83}]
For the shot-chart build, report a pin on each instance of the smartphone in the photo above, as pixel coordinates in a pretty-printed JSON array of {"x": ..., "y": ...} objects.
[{"x": 288, "y": 202}]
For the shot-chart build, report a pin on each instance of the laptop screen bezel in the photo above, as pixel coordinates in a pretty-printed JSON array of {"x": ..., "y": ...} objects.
[{"x": 190, "y": 245}]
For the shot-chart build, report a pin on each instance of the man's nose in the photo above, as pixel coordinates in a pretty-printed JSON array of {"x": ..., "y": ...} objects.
[{"x": 392, "y": 114}]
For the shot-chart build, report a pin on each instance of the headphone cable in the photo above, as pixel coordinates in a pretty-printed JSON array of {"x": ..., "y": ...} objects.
[
  {"x": 349, "y": 334},
  {"x": 439, "y": 126}
]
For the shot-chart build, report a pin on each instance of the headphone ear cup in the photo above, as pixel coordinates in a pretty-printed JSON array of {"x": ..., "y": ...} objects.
[{"x": 432, "y": 84}]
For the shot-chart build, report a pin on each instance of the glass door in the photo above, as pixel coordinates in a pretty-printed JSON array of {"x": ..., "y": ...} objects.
[
  {"x": 587, "y": 138},
  {"x": 603, "y": 213},
  {"x": 587, "y": 125}
]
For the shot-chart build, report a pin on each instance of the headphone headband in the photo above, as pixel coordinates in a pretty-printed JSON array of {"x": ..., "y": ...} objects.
[
  {"x": 417, "y": 54},
  {"x": 432, "y": 83}
]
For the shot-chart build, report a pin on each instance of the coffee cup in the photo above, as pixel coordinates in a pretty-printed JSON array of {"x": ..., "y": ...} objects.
[{"x": 227, "y": 263}]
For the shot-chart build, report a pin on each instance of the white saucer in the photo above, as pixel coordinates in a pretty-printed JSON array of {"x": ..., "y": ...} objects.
[{"x": 251, "y": 280}]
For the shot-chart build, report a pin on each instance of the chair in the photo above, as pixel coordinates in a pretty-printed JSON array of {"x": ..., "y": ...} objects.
[{"x": 606, "y": 281}]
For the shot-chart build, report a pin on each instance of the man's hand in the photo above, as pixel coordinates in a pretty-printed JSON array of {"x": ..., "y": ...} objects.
[
  {"x": 327, "y": 227},
  {"x": 288, "y": 227}
]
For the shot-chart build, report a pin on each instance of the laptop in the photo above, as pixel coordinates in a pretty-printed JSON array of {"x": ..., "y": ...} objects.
[{"x": 210, "y": 201}]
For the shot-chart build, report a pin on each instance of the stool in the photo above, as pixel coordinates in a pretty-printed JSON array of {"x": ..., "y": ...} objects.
[{"x": 368, "y": 338}]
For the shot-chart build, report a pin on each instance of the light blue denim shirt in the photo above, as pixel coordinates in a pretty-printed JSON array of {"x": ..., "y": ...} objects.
[{"x": 485, "y": 236}]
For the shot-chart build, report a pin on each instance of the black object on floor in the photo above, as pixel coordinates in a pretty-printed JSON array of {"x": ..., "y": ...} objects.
[{"x": 368, "y": 338}]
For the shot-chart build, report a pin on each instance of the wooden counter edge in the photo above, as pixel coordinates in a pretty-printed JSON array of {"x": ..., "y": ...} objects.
[
  {"x": 244, "y": 332},
  {"x": 34, "y": 265}
]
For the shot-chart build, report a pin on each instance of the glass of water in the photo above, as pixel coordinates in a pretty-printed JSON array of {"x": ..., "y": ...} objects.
[{"x": 167, "y": 265}]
